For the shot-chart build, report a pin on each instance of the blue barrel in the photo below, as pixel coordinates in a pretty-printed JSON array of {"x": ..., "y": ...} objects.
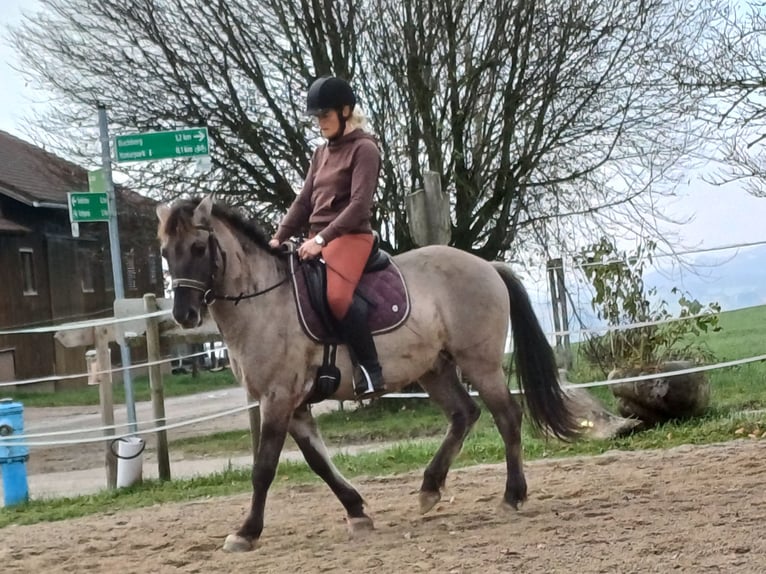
[{"x": 13, "y": 455}]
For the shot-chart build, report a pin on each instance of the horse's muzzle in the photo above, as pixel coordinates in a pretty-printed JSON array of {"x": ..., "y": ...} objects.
[{"x": 187, "y": 318}]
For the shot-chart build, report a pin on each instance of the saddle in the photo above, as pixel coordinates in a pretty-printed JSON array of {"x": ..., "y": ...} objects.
[{"x": 382, "y": 287}]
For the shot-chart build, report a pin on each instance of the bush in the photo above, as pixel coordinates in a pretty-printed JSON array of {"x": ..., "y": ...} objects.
[{"x": 620, "y": 298}]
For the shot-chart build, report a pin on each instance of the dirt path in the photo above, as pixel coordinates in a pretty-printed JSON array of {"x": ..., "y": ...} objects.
[
  {"x": 685, "y": 510},
  {"x": 45, "y": 460}
]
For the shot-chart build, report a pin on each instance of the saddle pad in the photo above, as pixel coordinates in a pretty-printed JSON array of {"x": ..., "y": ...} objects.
[{"x": 384, "y": 290}]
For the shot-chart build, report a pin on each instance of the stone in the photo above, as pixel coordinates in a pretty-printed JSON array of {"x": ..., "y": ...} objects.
[{"x": 661, "y": 399}]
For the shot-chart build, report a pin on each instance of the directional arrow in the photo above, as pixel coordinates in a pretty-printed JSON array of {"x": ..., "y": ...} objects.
[{"x": 162, "y": 145}]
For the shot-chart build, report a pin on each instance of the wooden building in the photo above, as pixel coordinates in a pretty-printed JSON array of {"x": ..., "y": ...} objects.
[{"x": 48, "y": 276}]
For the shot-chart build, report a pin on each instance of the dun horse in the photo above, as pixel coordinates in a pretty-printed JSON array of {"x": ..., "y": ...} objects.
[{"x": 460, "y": 306}]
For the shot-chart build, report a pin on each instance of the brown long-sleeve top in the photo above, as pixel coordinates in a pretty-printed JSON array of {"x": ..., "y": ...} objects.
[{"x": 336, "y": 198}]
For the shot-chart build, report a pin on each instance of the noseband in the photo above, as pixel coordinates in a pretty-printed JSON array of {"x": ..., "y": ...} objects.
[
  {"x": 208, "y": 295},
  {"x": 213, "y": 248}
]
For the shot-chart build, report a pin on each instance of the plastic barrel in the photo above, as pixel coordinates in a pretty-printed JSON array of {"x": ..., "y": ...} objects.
[
  {"x": 13, "y": 453},
  {"x": 15, "y": 485},
  {"x": 130, "y": 461}
]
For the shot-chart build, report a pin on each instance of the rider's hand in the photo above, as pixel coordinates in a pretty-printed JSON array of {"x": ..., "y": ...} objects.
[
  {"x": 274, "y": 243},
  {"x": 309, "y": 249}
]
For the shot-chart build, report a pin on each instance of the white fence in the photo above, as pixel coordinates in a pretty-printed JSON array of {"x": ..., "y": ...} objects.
[{"x": 196, "y": 420}]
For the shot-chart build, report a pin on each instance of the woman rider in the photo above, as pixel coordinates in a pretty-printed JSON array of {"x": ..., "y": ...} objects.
[{"x": 336, "y": 203}]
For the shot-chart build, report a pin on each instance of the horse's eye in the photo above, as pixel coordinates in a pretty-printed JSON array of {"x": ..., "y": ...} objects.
[{"x": 198, "y": 248}]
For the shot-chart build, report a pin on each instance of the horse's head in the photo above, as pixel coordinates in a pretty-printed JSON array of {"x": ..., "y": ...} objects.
[{"x": 191, "y": 250}]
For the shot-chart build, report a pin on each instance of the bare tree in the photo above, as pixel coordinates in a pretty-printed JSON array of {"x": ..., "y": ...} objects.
[
  {"x": 728, "y": 68},
  {"x": 533, "y": 111},
  {"x": 236, "y": 67}
]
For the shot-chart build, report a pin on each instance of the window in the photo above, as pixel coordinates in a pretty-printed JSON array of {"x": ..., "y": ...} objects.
[
  {"x": 152, "y": 266},
  {"x": 130, "y": 271},
  {"x": 106, "y": 259},
  {"x": 85, "y": 263},
  {"x": 28, "y": 271}
]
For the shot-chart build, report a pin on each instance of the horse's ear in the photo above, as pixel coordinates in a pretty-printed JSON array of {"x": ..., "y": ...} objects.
[
  {"x": 204, "y": 212},
  {"x": 162, "y": 213}
]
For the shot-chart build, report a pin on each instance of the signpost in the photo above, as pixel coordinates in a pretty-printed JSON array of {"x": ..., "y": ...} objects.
[
  {"x": 86, "y": 207},
  {"x": 98, "y": 204},
  {"x": 116, "y": 253},
  {"x": 97, "y": 181},
  {"x": 150, "y": 146}
]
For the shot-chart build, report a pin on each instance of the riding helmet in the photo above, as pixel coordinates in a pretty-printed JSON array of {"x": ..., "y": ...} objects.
[{"x": 329, "y": 93}]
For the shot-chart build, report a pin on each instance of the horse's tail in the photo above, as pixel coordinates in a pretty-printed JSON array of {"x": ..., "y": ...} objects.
[{"x": 536, "y": 364}]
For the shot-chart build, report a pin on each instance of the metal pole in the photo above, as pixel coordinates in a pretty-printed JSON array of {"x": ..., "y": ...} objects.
[{"x": 114, "y": 242}]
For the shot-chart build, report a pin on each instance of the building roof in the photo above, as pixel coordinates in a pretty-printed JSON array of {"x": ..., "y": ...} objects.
[
  {"x": 33, "y": 175},
  {"x": 30, "y": 174},
  {"x": 8, "y": 226}
]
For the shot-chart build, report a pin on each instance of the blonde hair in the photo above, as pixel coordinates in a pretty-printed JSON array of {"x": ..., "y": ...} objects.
[{"x": 358, "y": 120}]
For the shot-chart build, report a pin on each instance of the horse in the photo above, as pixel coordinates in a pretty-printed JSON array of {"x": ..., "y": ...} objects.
[{"x": 458, "y": 324}]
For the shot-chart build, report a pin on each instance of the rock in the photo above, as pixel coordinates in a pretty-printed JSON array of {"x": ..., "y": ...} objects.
[{"x": 661, "y": 399}]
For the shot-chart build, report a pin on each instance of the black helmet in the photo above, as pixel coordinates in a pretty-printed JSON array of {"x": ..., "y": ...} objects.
[{"x": 329, "y": 93}]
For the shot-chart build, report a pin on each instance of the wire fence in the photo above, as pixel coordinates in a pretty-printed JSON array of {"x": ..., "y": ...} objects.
[
  {"x": 23, "y": 439},
  {"x": 155, "y": 427}
]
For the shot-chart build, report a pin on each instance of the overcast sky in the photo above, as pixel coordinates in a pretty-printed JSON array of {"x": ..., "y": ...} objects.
[{"x": 722, "y": 215}]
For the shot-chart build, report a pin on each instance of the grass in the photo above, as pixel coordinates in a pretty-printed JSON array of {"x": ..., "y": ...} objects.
[
  {"x": 734, "y": 390},
  {"x": 385, "y": 420},
  {"x": 174, "y": 386},
  {"x": 742, "y": 387}
]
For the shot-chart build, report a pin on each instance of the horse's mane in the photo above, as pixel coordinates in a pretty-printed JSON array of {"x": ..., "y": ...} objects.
[{"x": 180, "y": 219}]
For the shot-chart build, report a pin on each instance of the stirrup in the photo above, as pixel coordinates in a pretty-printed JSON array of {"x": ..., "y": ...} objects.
[{"x": 365, "y": 387}]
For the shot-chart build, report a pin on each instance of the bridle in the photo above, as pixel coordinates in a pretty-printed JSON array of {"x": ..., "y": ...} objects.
[{"x": 208, "y": 295}]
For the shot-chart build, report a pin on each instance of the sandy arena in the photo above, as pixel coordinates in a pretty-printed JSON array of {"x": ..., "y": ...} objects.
[{"x": 689, "y": 509}]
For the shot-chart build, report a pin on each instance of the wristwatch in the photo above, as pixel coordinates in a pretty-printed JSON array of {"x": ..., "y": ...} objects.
[{"x": 319, "y": 240}]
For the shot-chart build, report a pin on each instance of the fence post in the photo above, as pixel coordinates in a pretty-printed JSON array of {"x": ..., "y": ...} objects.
[
  {"x": 562, "y": 292},
  {"x": 560, "y": 312},
  {"x": 106, "y": 399},
  {"x": 155, "y": 383},
  {"x": 428, "y": 212}
]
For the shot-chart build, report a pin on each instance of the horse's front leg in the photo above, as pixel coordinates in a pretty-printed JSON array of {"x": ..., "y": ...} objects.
[
  {"x": 303, "y": 429},
  {"x": 275, "y": 418}
]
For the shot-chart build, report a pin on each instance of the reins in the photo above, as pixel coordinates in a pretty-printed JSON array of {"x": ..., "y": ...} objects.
[{"x": 208, "y": 295}]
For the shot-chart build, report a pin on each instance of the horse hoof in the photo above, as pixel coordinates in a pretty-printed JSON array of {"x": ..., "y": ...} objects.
[
  {"x": 236, "y": 543},
  {"x": 510, "y": 507},
  {"x": 359, "y": 526},
  {"x": 428, "y": 500}
]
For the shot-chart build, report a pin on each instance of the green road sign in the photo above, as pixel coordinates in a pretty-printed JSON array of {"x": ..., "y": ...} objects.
[
  {"x": 87, "y": 206},
  {"x": 161, "y": 145},
  {"x": 97, "y": 181}
]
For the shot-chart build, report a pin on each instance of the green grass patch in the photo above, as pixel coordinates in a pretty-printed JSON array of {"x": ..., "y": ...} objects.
[
  {"x": 174, "y": 386},
  {"x": 741, "y": 336},
  {"x": 384, "y": 420}
]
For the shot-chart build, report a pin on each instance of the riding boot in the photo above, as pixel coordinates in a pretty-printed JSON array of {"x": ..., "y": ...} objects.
[{"x": 368, "y": 381}]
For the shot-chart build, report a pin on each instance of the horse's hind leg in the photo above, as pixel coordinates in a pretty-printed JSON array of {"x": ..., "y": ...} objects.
[
  {"x": 489, "y": 381},
  {"x": 304, "y": 431},
  {"x": 444, "y": 388}
]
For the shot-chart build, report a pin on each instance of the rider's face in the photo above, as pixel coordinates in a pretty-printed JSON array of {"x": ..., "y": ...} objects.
[{"x": 329, "y": 123}]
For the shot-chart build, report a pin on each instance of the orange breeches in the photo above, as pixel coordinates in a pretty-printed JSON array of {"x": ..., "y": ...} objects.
[{"x": 346, "y": 257}]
